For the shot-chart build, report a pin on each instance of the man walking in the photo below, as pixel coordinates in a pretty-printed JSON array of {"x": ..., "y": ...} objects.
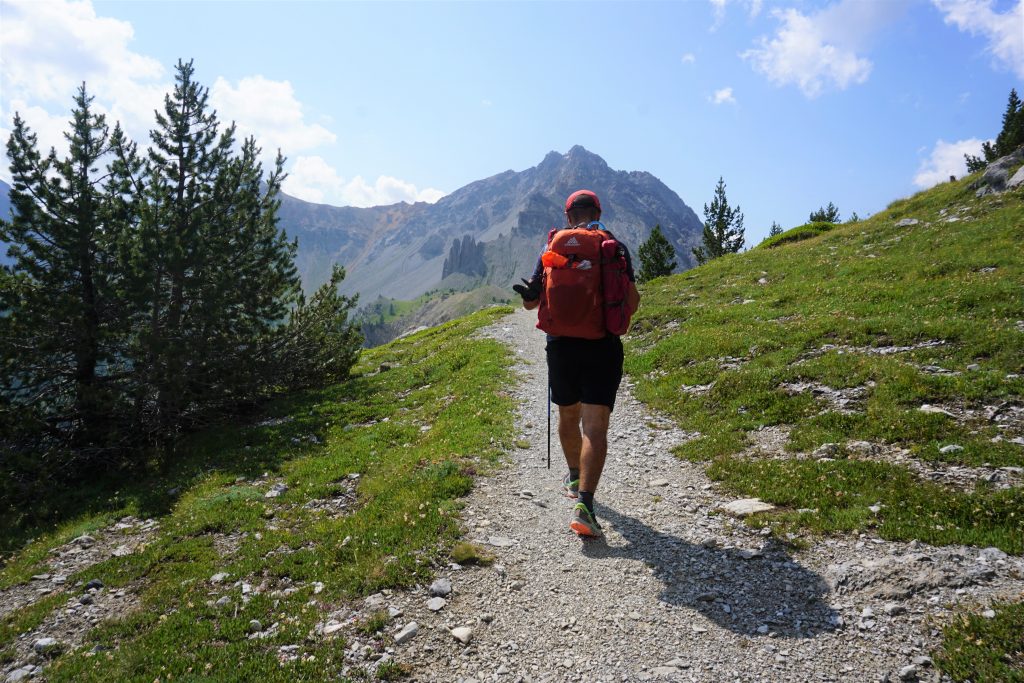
[{"x": 583, "y": 371}]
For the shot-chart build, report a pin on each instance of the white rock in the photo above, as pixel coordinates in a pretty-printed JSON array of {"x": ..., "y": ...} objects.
[
  {"x": 934, "y": 410},
  {"x": 501, "y": 541},
  {"x": 991, "y": 555},
  {"x": 275, "y": 491},
  {"x": 44, "y": 645},
  {"x": 906, "y": 222},
  {"x": 951, "y": 448},
  {"x": 908, "y": 673},
  {"x": 658, "y": 482},
  {"x": 441, "y": 588},
  {"x": 747, "y": 506},
  {"x": 407, "y": 633},
  {"x": 333, "y": 628},
  {"x": 989, "y": 614},
  {"x": 22, "y": 674},
  {"x": 463, "y": 634},
  {"x": 436, "y": 604}
]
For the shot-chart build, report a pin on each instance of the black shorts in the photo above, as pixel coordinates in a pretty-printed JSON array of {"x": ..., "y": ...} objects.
[{"x": 584, "y": 370}]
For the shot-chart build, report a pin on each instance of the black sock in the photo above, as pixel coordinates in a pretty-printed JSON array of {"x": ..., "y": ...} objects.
[
  {"x": 574, "y": 474},
  {"x": 587, "y": 498}
]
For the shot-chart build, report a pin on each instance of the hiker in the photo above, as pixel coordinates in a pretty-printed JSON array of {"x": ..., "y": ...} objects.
[{"x": 584, "y": 360}]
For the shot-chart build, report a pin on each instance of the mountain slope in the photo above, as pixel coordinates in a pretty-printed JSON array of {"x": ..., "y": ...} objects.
[
  {"x": 400, "y": 251},
  {"x": 885, "y": 358}
]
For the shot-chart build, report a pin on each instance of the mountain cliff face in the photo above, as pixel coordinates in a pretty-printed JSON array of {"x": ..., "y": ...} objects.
[{"x": 488, "y": 232}]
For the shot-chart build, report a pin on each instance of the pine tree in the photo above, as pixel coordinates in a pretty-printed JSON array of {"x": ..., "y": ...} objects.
[
  {"x": 776, "y": 229},
  {"x": 60, "y": 333},
  {"x": 657, "y": 257},
  {"x": 723, "y": 228},
  {"x": 213, "y": 275},
  {"x": 1010, "y": 137},
  {"x": 828, "y": 214},
  {"x": 319, "y": 344}
]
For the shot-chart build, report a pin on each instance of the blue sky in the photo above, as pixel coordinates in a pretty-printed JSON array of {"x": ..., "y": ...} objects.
[{"x": 795, "y": 104}]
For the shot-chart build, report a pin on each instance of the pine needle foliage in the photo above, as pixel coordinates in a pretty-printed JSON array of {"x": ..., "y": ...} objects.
[
  {"x": 150, "y": 293},
  {"x": 1010, "y": 137},
  {"x": 657, "y": 256},
  {"x": 825, "y": 214},
  {"x": 723, "y": 228}
]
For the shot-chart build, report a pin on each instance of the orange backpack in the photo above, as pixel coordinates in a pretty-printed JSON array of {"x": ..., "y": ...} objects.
[{"x": 571, "y": 300}]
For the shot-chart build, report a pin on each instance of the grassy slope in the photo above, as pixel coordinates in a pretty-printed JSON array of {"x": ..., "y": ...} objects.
[
  {"x": 403, "y": 524},
  {"x": 860, "y": 287}
]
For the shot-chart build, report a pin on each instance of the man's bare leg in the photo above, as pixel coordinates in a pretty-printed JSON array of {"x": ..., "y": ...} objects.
[
  {"x": 585, "y": 450},
  {"x": 569, "y": 433},
  {"x": 595, "y": 445}
]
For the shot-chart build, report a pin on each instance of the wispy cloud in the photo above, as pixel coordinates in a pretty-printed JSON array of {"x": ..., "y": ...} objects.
[
  {"x": 723, "y": 96},
  {"x": 688, "y": 58},
  {"x": 314, "y": 180},
  {"x": 1004, "y": 31},
  {"x": 821, "y": 50},
  {"x": 946, "y": 159},
  {"x": 718, "y": 9}
]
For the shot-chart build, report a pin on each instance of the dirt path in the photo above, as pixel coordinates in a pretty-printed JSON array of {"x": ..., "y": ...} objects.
[{"x": 676, "y": 591}]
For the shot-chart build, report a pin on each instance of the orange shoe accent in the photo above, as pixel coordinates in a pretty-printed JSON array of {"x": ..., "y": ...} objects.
[{"x": 582, "y": 529}]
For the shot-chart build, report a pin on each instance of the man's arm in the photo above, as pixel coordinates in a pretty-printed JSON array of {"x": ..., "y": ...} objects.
[{"x": 530, "y": 289}]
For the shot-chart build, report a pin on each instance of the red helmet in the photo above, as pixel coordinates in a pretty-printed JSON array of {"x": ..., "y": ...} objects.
[{"x": 581, "y": 198}]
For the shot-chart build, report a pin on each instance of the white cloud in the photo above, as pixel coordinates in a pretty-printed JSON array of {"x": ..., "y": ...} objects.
[
  {"x": 268, "y": 111},
  {"x": 50, "y": 48},
  {"x": 818, "y": 51},
  {"x": 723, "y": 96},
  {"x": 1003, "y": 31},
  {"x": 314, "y": 180},
  {"x": 947, "y": 158},
  {"x": 688, "y": 58},
  {"x": 718, "y": 7}
]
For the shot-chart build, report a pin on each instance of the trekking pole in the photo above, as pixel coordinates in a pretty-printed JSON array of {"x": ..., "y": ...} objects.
[{"x": 549, "y": 426}]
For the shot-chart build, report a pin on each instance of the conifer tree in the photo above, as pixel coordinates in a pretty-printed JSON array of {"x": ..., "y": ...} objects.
[
  {"x": 723, "y": 228},
  {"x": 215, "y": 275},
  {"x": 827, "y": 214},
  {"x": 776, "y": 229},
  {"x": 657, "y": 257},
  {"x": 61, "y": 331},
  {"x": 1010, "y": 137},
  {"x": 320, "y": 343}
]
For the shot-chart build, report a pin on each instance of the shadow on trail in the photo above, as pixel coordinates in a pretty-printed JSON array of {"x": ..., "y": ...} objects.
[{"x": 768, "y": 590}]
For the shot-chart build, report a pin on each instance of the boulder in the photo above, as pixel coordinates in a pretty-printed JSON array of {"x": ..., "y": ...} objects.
[{"x": 996, "y": 177}]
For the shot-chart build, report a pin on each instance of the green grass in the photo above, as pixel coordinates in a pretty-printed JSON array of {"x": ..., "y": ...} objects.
[
  {"x": 824, "y": 308},
  {"x": 797, "y": 234},
  {"x": 416, "y": 421},
  {"x": 980, "y": 649}
]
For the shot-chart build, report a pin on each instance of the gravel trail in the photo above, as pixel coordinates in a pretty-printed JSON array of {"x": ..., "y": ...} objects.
[{"x": 676, "y": 590}]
